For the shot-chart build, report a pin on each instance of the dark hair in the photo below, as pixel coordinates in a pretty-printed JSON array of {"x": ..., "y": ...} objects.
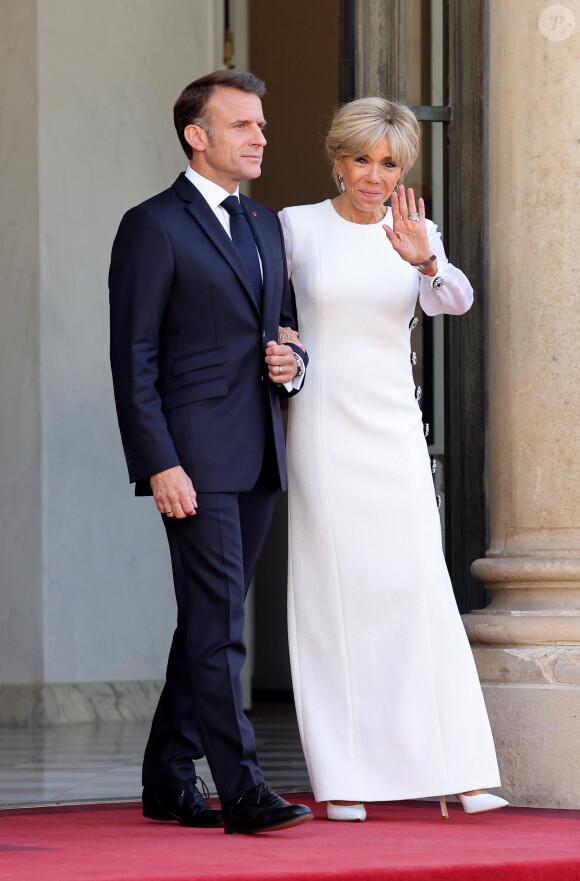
[{"x": 190, "y": 107}]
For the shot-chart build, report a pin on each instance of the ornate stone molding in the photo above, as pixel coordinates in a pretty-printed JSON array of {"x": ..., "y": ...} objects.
[{"x": 536, "y": 601}]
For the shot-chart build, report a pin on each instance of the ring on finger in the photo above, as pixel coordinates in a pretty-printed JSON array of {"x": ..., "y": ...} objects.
[
  {"x": 414, "y": 216},
  {"x": 279, "y": 368}
]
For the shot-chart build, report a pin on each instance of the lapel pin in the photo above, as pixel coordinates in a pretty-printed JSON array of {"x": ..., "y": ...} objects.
[{"x": 255, "y": 213}]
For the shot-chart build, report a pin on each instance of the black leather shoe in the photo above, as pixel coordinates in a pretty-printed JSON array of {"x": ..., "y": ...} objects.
[
  {"x": 182, "y": 802},
  {"x": 261, "y": 810}
]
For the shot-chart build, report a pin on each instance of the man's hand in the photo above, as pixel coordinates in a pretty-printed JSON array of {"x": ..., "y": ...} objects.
[
  {"x": 282, "y": 366},
  {"x": 174, "y": 493}
]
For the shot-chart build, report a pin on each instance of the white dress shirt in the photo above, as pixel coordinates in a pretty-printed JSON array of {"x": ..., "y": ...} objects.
[{"x": 213, "y": 195}]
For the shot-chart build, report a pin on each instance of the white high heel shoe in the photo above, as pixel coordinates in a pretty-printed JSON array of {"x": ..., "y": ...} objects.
[
  {"x": 479, "y": 803},
  {"x": 354, "y": 813}
]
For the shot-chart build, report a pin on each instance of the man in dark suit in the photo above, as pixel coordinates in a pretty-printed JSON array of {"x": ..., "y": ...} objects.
[{"x": 198, "y": 289}]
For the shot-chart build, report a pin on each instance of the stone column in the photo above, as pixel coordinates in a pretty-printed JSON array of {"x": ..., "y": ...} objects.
[{"x": 527, "y": 641}]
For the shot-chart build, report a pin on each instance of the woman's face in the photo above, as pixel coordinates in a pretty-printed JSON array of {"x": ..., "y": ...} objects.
[{"x": 369, "y": 180}]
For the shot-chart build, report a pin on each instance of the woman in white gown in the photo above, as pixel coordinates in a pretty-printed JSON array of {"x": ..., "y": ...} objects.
[{"x": 388, "y": 698}]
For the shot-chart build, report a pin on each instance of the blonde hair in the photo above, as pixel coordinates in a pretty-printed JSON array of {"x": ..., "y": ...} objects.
[{"x": 357, "y": 128}]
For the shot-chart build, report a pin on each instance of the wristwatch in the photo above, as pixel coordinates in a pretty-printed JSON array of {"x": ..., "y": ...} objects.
[
  {"x": 299, "y": 364},
  {"x": 425, "y": 263}
]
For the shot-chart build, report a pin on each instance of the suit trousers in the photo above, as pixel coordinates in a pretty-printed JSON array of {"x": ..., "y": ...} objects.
[{"x": 200, "y": 711}]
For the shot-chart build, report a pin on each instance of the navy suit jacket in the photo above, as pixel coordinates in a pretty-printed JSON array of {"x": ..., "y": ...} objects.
[{"x": 188, "y": 342}]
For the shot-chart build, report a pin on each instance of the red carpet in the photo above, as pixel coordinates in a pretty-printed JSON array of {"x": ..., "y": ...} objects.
[{"x": 398, "y": 842}]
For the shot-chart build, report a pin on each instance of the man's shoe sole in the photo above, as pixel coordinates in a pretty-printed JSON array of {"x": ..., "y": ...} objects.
[
  {"x": 166, "y": 817},
  {"x": 232, "y": 829}
]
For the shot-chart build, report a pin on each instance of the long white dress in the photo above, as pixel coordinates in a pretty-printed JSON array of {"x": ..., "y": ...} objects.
[{"x": 388, "y": 698}]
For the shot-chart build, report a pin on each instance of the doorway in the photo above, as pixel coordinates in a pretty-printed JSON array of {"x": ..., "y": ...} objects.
[
  {"x": 430, "y": 54},
  {"x": 296, "y": 49}
]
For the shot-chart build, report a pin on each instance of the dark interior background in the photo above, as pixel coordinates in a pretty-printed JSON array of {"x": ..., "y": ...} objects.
[{"x": 294, "y": 48}]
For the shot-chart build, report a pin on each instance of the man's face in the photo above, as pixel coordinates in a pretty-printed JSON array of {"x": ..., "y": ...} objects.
[{"x": 235, "y": 150}]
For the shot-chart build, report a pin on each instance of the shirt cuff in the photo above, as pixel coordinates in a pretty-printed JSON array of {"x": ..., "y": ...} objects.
[
  {"x": 427, "y": 280},
  {"x": 297, "y": 381}
]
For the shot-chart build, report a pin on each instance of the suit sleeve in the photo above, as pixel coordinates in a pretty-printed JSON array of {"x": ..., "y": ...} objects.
[{"x": 140, "y": 281}]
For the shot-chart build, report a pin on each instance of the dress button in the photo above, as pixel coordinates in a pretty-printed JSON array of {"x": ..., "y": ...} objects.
[
  {"x": 426, "y": 429},
  {"x": 418, "y": 393},
  {"x": 413, "y": 358},
  {"x": 438, "y": 500},
  {"x": 263, "y": 334},
  {"x": 433, "y": 466},
  {"x": 413, "y": 323}
]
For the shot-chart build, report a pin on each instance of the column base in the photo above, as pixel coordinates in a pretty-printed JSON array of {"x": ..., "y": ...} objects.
[
  {"x": 536, "y": 600},
  {"x": 533, "y": 700}
]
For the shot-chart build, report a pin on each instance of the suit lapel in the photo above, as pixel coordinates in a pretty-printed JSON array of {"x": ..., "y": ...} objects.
[{"x": 200, "y": 211}]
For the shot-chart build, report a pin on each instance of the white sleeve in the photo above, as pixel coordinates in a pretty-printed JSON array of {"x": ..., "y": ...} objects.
[
  {"x": 287, "y": 230},
  {"x": 454, "y": 297},
  {"x": 288, "y": 243}
]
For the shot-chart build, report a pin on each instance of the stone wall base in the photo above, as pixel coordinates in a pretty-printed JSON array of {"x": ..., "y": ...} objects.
[
  {"x": 537, "y": 736},
  {"x": 26, "y": 706}
]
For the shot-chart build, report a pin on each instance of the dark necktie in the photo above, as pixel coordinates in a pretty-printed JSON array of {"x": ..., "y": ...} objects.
[{"x": 244, "y": 241}]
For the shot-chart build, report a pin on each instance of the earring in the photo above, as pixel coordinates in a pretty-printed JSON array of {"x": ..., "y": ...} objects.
[{"x": 341, "y": 184}]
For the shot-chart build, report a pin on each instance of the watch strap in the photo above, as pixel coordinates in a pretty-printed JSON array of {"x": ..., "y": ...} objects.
[{"x": 426, "y": 262}]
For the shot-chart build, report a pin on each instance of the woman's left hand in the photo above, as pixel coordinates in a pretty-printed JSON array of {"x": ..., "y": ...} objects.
[
  {"x": 408, "y": 237},
  {"x": 289, "y": 335}
]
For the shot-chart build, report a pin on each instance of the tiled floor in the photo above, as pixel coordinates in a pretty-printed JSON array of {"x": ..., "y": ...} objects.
[{"x": 103, "y": 762}]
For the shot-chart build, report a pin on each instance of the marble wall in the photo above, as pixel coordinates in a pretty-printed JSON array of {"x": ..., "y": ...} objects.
[
  {"x": 87, "y": 96},
  {"x": 20, "y": 518}
]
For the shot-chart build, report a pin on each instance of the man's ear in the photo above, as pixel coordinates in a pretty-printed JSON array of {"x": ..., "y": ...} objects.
[{"x": 196, "y": 137}]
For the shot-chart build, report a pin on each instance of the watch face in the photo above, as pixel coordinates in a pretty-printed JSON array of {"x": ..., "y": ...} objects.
[{"x": 438, "y": 282}]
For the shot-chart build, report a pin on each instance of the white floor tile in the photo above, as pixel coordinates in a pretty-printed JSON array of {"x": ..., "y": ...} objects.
[{"x": 85, "y": 762}]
